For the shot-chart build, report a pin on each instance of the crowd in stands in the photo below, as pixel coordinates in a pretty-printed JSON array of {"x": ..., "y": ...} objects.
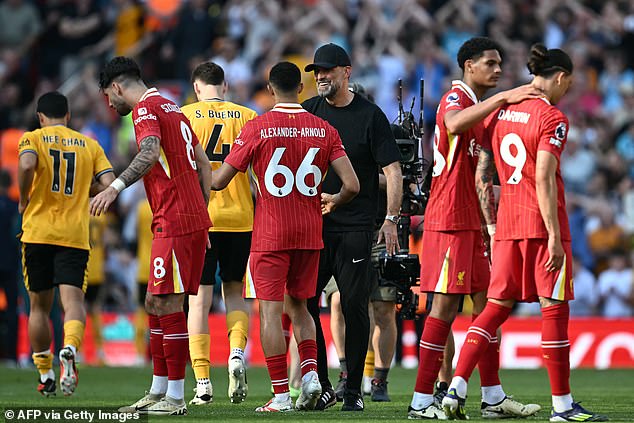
[{"x": 60, "y": 44}]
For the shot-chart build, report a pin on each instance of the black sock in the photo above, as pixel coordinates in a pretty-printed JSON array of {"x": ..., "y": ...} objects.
[
  {"x": 342, "y": 366},
  {"x": 381, "y": 373}
]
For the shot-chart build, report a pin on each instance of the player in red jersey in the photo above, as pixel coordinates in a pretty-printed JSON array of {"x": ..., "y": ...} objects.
[
  {"x": 532, "y": 258},
  {"x": 453, "y": 259},
  {"x": 177, "y": 178},
  {"x": 289, "y": 151}
]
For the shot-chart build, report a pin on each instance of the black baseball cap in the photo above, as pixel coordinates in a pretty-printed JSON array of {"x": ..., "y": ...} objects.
[{"x": 329, "y": 56}]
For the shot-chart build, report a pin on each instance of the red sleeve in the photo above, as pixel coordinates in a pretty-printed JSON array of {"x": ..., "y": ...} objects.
[
  {"x": 242, "y": 151},
  {"x": 554, "y": 133},
  {"x": 336, "y": 147},
  {"x": 146, "y": 122},
  {"x": 454, "y": 100}
]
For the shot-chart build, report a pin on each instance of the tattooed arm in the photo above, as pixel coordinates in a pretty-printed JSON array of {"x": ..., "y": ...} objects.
[
  {"x": 484, "y": 189},
  {"x": 148, "y": 155}
]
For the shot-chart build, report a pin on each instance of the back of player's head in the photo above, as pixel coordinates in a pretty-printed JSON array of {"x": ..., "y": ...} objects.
[
  {"x": 547, "y": 62},
  {"x": 120, "y": 68},
  {"x": 209, "y": 73},
  {"x": 474, "y": 48},
  {"x": 285, "y": 76},
  {"x": 52, "y": 105}
]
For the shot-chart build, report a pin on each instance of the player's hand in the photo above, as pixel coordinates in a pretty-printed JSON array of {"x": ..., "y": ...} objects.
[
  {"x": 22, "y": 205},
  {"x": 389, "y": 234},
  {"x": 100, "y": 202},
  {"x": 521, "y": 93},
  {"x": 556, "y": 253},
  {"x": 328, "y": 203}
]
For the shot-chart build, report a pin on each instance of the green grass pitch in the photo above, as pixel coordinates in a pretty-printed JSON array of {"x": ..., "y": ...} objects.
[{"x": 609, "y": 392}]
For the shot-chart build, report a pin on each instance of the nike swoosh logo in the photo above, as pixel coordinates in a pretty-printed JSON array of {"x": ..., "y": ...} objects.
[
  {"x": 357, "y": 260},
  {"x": 157, "y": 283}
]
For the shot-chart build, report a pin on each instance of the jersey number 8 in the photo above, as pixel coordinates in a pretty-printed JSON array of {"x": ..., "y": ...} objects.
[{"x": 299, "y": 178}]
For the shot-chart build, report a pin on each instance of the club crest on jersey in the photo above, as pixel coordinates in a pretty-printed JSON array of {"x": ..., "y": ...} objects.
[
  {"x": 560, "y": 131},
  {"x": 474, "y": 148},
  {"x": 452, "y": 100},
  {"x": 142, "y": 111}
]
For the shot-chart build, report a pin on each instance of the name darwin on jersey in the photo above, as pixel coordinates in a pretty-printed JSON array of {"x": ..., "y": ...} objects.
[
  {"x": 292, "y": 132},
  {"x": 512, "y": 116},
  {"x": 218, "y": 114}
]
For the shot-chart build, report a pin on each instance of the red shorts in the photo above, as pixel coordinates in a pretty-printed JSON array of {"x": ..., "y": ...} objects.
[
  {"x": 454, "y": 263},
  {"x": 518, "y": 272},
  {"x": 271, "y": 274},
  {"x": 176, "y": 264}
]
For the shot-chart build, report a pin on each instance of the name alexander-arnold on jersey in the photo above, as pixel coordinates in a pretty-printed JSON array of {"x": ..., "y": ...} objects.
[{"x": 292, "y": 132}]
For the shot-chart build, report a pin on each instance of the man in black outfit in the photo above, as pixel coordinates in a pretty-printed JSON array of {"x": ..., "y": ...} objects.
[{"x": 369, "y": 143}]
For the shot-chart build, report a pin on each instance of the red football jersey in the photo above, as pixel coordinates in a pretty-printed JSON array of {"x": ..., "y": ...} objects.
[
  {"x": 172, "y": 185},
  {"x": 516, "y": 132},
  {"x": 289, "y": 151},
  {"x": 453, "y": 202}
]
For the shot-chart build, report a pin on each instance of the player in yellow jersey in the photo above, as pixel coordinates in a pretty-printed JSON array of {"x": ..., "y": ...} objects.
[
  {"x": 95, "y": 279},
  {"x": 217, "y": 124},
  {"x": 143, "y": 252},
  {"x": 57, "y": 167}
]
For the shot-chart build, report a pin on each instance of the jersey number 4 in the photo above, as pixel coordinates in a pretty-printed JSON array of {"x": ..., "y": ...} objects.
[
  {"x": 213, "y": 142},
  {"x": 69, "y": 158},
  {"x": 298, "y": 178}
]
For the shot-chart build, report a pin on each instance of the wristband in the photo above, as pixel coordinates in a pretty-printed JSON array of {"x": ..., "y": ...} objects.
[
  {"x": 491, "y": 229},
  {"x": 118, "y": 185}
]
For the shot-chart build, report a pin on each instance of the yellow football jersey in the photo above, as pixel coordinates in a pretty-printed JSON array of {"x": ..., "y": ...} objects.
[
  {"x": 96, "y": 230},
  {"x": 217, "y": 124},
  {"x": 144, "y": 240},
  {"x": 67, "y": 163}
]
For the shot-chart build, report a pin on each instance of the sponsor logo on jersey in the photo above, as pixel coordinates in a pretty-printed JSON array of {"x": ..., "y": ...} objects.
[
  {"x": 453, "y": 100},
  {"x": 144, "y": 117}
]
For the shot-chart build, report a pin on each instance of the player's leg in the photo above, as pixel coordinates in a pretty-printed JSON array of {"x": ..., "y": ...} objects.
[
  {"x": 384, "y": 341},
  {"x": 37, "y": 268},
  {"x": 70, "y": 271},
  {"x": 93, "y": 308},
  {"x": 233, "y": 258},
  {"x": 337, "y": 330},
  {"x": 198, "y": 326},
  {"x": 555, "y": 290},
  {"x": 368, "y": 366},
  {"x": 443, "y": 272},
  {"x": 302, "y": 282},
  {"x": 327, "y": 398},
  {"x": 141, "y": 325},
  {"x": 352, "y": 273},
  {"x": 268, "y": 272},
  {"x": 446, "y": 371}
]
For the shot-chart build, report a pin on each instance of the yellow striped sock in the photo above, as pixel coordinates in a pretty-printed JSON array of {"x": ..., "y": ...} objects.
[
  {"x": 73, "y": 333},
  {"x": 238, "y": 329},
  {"x": 368, "y": 369},
  {"x": 43, "y": 361}
]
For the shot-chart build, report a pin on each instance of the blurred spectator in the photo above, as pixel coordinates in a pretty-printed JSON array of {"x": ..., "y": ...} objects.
[
  {"x": 606, "y": 238},
  {"x": 19, "y": 25},
  {"x": 616, "y": 287},
  {"x": 577, "y": 163},
  {"x": 586, "y": 292}
]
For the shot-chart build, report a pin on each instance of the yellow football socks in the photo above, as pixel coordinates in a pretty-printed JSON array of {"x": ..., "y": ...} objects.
[
  {"x": 199, "y": 354},
  {"x": 238, "y": 329},
  {"x": 368, "y": 369},
  {"x": 73, "y": 333},
  {"x": 43, "y": 361}
]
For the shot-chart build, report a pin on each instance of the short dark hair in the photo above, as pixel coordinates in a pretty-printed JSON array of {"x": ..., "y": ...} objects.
[
  {"x": 546, "y": 62},
  {"x": 285, "y": 76},
  {"x": 210, "y": 73},
  {"x": 474, "y": 48},
  {"x": 53, "y": 105},
  {"x": 116, "y": 68}
]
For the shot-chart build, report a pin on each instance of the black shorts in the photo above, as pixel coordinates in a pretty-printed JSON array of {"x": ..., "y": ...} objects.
[
  {"x": 230, "y": 252},
  {"x": 46, "y": 266},
  {"x": 92, "y": 292},
  {"x": 141, "y": 293}
]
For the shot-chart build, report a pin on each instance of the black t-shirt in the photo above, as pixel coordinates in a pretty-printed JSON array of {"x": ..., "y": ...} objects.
[{"x": 368, "y": 140}]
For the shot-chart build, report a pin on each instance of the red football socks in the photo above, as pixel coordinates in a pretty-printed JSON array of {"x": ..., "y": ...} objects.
[
  {"x": 479, "y": 336},
  {"x": 156, "y": 346},
  {"x": 556, "y": 347},
  {"x": 430, "y": 354},
  {"x": 308, "y": 355},
  {"x": 489, "y": 363},
  {"x": 175, "y": 344},
  {"x": 286, "y": 329},
  {"x": 278, "y": 372}
]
